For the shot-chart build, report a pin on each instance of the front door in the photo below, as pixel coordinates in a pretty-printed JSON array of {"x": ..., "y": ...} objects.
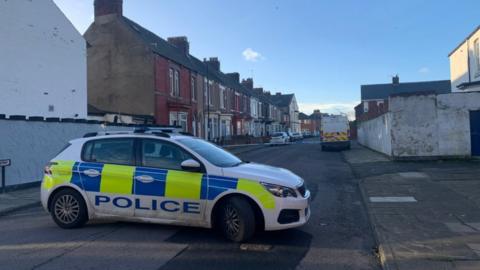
[
  {"x": 162, "y": 189},
  {"x": 475, "y": 132},
  {"x": 107, "y": 175}
]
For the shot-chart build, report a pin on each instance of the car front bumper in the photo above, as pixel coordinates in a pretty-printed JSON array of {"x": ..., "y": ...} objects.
[
  {"x": 300, "y": 205},
  {"x": 277, "y": 141}
]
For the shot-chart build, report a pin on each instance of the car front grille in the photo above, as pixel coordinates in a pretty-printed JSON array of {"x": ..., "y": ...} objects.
[{"x": 302, "y": 189}]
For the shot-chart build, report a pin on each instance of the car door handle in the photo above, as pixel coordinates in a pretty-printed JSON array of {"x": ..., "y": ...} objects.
[
  {"x": 91, "y": 173},
  {"x": 145, "y": 179}
]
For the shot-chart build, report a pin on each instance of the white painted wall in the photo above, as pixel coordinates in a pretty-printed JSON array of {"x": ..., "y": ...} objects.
[
  {"x": 414, "y": 125},
  {"x": 43, "y": 61},
  {"x": 376, "y": 134},
  {"x": 423, "y": 126},
  {"x": 461, "y": 69},
  {"x": 31, "y": 145},
  {"x": 453, "y": 111}
]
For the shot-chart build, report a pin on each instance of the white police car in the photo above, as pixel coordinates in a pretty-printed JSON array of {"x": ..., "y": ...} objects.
[{"x": 170, "y": 178}]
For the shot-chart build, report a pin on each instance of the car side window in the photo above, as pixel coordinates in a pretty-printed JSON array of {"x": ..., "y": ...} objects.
[
  {"x": 162, "y": 155},
  {"x": 112, "y": 151}
]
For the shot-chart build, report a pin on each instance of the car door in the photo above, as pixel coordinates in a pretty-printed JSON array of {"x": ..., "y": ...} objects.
[
  {"x": 162, "y": 189},
  {"x": 107, "y": 174}
]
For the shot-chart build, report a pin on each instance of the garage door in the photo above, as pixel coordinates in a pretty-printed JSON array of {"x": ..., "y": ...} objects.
[{"x": 475, "y": 132}]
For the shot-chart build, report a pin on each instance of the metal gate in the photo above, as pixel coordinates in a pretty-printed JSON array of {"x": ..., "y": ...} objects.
[{"x": 475, "y": 132}]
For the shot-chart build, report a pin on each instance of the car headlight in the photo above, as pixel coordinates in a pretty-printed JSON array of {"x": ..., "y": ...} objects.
[{"x": 280, "y": 191}]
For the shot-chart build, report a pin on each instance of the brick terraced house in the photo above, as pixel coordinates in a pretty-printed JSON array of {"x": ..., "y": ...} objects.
[{"x": 134, "y": 72}]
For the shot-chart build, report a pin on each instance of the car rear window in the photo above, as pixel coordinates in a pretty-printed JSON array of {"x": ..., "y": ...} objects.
[
  {"x": 112, "y": 151},
  {"x": 278, "y": 134}
]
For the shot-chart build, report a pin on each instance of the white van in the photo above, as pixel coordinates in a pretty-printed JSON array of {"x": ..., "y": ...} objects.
[{"x": 335, "y": 132}]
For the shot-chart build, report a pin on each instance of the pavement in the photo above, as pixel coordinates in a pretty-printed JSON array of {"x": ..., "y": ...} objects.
[
  {"x": 19, "y": 199},
  {"x": 338, "y": 235},
  {"x": 425, "y": 215}
]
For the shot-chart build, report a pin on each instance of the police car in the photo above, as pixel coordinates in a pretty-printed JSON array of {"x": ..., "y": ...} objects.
[{"x": 169, "y": 178}]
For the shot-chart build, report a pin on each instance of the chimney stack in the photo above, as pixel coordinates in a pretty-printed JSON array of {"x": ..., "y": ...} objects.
[
  {"x": 108, "y": 7},
  {"x": 235, "y": 76},
  {"x": 248, "y": 83},
  {"x": 258, "y": 90},
  {"x": 213, "y": 62},
  {"x": 278, "y": 94},
  {"x": 395, "y": 80},
  {"x": 181, "y": 43}
]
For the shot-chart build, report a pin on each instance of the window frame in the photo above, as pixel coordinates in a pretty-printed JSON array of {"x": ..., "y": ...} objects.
[
  {"x": 476, "y": 54},
  {"x": 205, "y": 91},
  {"x": 193, "y": 86},
  {"x": 176, "y": 76},
  {"x": 139, "y": 154},
  {"x": 210, "y": 96},
  {"x": 172, "y": 82},
  {"x": 85, "y": 144},
  {"x": 222, "y": 97}
]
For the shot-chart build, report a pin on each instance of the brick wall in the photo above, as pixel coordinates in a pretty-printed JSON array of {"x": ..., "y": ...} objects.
[{"x": 375, "y": 109}]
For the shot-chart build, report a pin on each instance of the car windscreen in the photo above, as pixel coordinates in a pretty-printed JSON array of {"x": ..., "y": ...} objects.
[
  {"x": 278, "y": 134},
  {"x": 212, "y": 153}
]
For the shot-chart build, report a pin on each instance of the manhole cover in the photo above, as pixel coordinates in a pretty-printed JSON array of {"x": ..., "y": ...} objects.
[{"x": 255, "y": 247}]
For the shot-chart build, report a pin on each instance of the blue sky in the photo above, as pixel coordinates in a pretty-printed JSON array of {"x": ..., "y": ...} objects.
[{"x": 320, "y": 50}]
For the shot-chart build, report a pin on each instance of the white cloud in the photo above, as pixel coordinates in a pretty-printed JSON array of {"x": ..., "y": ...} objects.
[
  {"x": 332, "y": 108},
  {"x": 424, "y": 70},
  {"x": 250, "y": 55}
]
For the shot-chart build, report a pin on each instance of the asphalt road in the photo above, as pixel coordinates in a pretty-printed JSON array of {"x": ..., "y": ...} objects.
[{"x": 337, "y": 236}]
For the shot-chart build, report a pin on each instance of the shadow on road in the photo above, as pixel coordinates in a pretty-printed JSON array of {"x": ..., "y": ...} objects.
[{"x": 207, "y": 249}]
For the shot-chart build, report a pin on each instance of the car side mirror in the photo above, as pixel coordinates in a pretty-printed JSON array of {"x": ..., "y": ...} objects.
[{"x": 191, "y": 165}]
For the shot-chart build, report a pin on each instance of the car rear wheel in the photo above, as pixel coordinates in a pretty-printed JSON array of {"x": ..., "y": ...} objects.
[
  {"x": 68, "y": 209},
  {"x": 237, "y": 219}
]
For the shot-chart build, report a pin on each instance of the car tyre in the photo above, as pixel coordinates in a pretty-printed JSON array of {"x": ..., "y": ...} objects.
[
  {"x": 237, "y": 219},
  {"x": 68, "y": 209}
]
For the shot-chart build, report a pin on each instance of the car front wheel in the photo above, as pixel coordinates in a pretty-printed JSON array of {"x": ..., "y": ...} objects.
[
  {"x": 68, "y": 209},
  {"x": 237, "y": 219}
]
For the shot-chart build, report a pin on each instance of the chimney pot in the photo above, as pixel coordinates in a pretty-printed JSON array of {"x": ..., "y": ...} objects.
[
  {"x": 234, "y": 76},
  {"x": 395, "y": 80},
  {"x": 213, "y": 62},
  {"x": 248, "y": 83},
  {"x": 181, "y": 43},
  {"x": 108, "y": 7}
]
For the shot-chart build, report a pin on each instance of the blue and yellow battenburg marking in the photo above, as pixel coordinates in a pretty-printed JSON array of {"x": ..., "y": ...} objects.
[{"x": 119, "y": 179}]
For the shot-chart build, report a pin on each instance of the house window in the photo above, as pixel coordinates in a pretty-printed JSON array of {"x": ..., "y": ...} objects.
[
  {"x": 179, "y": 119},
  {"x": 193, "y": 86},
  {"x": 365, "y": 106},
  {"x": 177, "y": 85},
  {"x": 172, "y": 87},
  {"x": 237, "y": 102},
  {"x": 476, "y": 51},
  {"x": 205, "y": 91},
  {"x": 210, "y": 85},
  {"x": 222, "y": 100}
]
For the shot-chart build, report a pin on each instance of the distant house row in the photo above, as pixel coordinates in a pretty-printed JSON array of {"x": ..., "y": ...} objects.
[
  {"x": 311, "y": 124},
  {"x": 126, "y": 74}
]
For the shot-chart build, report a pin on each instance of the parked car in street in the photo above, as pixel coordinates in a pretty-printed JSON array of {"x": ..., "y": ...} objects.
[
  {"x": 297, "y": 136},
  {"x": 307, "y": 134},
  {"x": 279, "y": 138},
  {"x": 170, "y": 178}
]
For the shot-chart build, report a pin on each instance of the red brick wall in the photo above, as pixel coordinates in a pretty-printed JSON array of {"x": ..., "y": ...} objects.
[
  {"x": 164, "y": 102},
  {"x": 374, "y": 110}
]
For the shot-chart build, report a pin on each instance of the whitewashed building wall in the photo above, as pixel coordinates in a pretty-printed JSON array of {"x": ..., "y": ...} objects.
[{"x": 43, "y": 61}]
